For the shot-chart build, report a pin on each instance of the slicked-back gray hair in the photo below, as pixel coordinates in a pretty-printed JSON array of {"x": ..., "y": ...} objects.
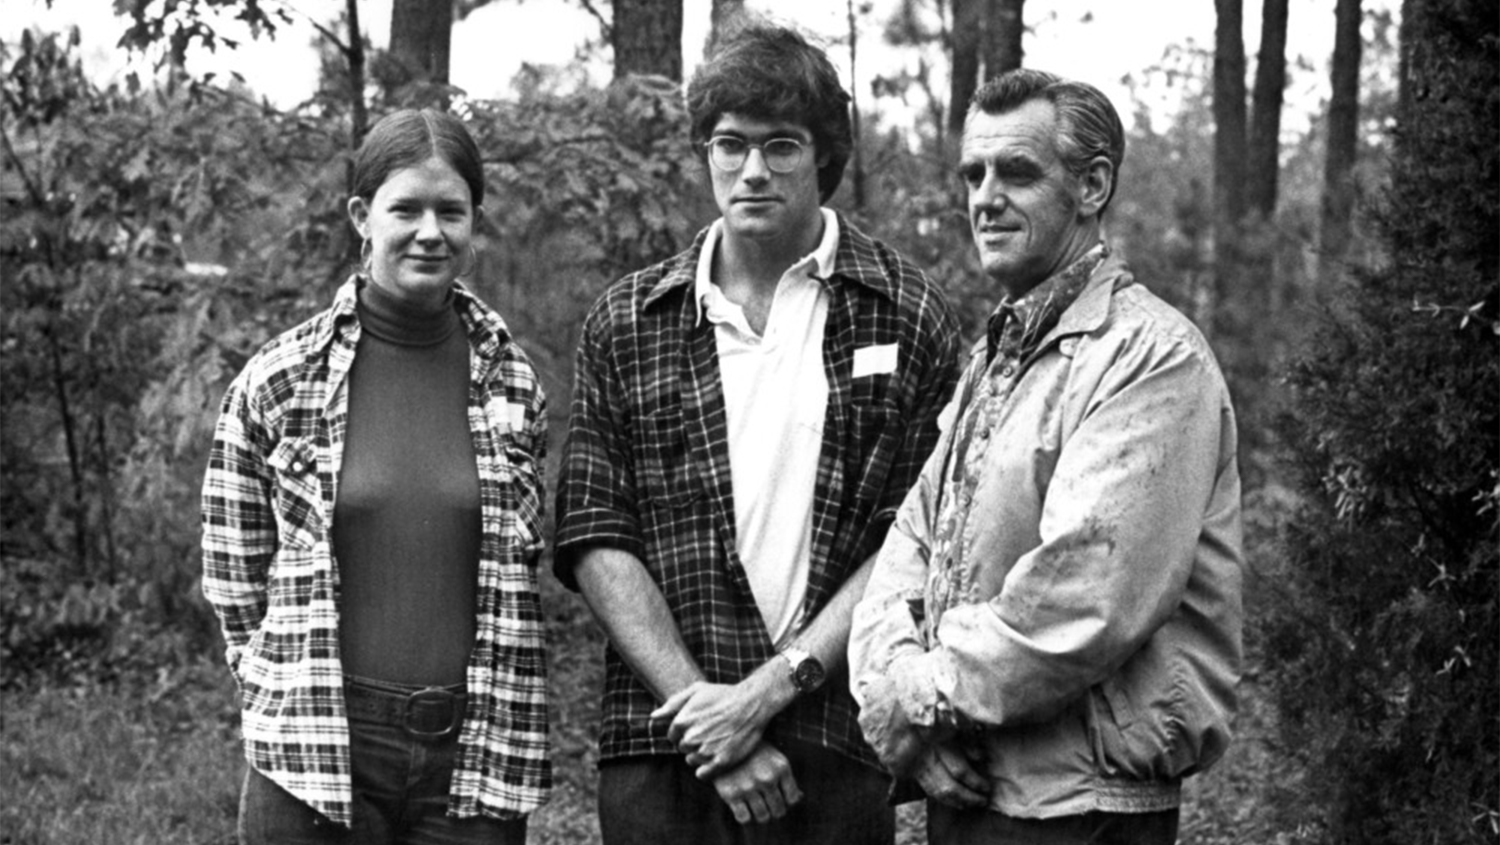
[{"x": 1088, "y": 123}]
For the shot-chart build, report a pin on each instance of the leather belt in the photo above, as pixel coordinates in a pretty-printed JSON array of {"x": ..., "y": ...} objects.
[{"x": 428, "y": 714}]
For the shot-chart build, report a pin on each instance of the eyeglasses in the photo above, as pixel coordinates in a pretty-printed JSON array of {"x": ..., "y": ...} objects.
[{"x": 728, "y": 152}]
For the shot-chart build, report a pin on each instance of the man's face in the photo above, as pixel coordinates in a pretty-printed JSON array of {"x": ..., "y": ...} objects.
[
  {"x": 1030, "y": 216},
  {"x": 757, "y": 202}
]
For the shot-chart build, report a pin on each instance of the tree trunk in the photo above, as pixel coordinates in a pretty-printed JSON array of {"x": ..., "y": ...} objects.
[
  {"x": 359, "y": 116},
  {"x": 1229, "y": 116},
  {"x": 1343, "y": 138},
  {"x": 1265, "y": 116},
  {"x": 721, "y": 16},
  {"x": 1260, "y": 239},
  {"x": 421, "y": 37},
  {"x": 647, "y": 38},
  {"x": 965, "y": 50},
  {"x": 1232, "y": 318},
  {"x": 1004, "y": 26},
  {"x": 857, "y": 160}
]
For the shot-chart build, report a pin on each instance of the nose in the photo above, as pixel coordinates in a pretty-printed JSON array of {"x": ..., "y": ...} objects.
[
  {"x": 428, "y": 229},
  {"x": 988, "y": 195},
  {"x": 755, "y": 168}
]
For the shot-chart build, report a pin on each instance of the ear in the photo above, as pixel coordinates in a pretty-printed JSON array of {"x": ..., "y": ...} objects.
[
  {"x": 1094, "y": 186},
  {"x": 359, "y": 215}
]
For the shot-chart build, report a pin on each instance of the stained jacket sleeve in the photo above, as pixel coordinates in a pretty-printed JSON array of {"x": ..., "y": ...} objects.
[
  {"x": 887, "y": 621},
  {"x": 239, "y": 524}
]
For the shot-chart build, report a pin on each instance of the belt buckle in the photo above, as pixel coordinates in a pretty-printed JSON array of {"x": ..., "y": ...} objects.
[{"x": 423, "y": 708}]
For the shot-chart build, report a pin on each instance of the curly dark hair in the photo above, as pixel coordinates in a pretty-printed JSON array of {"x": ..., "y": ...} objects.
[{"x": 769, "y": 72}]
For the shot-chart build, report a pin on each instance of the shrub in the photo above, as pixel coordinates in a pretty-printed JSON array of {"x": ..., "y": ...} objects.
[{"x": 1385, "y": 644}]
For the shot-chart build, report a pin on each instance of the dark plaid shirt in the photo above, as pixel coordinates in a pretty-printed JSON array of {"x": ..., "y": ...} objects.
[{"x": 646, "y": 467}]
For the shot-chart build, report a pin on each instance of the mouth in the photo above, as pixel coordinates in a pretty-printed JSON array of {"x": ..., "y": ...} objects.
[
  {"x": 990, "y": 230},
  {"x": 755, "y": 200}
]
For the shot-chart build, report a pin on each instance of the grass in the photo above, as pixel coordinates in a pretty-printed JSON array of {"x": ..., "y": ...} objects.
[
  {"x": 157, "y": 760},
  {"x": 150, "y": 764}
]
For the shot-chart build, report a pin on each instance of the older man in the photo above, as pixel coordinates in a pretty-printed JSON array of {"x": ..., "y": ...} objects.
[{"x": 1050, "y": 640}]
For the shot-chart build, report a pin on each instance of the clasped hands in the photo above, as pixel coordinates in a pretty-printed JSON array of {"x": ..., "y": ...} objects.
[
  {"x": 935, "y": 758},
  {"x": 720, "y": 728}
]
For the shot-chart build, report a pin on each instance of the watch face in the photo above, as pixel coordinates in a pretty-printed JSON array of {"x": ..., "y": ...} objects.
[{"x": 809, "y": 674}]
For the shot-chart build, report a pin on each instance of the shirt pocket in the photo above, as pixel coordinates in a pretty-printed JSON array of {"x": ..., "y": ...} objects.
[
  {"x": 296, "y": 494},
  {"x": 666, "y": 476}
]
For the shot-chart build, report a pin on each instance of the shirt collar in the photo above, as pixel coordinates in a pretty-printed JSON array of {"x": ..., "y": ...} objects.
[
  {"x": 817, "y": 264},
  {"x": 1018, "y": 325},
  {"x": 487, "y": 332}
]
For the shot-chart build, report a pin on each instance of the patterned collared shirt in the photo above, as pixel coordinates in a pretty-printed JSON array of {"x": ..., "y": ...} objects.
[
  {"x": 1015, "y": 331},
  {"x": 1018, "y": 325},
  {"x": 646, "y": 467},
  {"x": 269, "y": 571}
]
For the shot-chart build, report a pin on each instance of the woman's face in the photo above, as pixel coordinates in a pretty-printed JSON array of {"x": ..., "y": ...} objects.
[{"x": 419, "y": 224}]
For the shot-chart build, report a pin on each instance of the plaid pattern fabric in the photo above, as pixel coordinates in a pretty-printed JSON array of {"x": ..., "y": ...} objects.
[
  {"x": 269, "y": 572},
  {"x": 646, "y": 466}
]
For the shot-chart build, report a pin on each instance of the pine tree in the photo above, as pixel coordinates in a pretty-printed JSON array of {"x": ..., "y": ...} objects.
[{"x": 1385, "y": 647}]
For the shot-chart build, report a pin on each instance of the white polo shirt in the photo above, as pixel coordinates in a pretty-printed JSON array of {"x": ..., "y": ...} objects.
[{"x": 775, "y": 398}]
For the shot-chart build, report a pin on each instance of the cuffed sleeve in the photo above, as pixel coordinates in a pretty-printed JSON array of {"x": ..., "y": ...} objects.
[{"x": 596, "y": 490}]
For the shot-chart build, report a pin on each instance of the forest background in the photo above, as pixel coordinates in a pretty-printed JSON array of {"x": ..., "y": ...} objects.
[{"x": 159, "y": 228}]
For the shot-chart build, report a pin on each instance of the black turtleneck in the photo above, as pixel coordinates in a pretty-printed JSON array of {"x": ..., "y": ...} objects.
[{"x": 406, "y": 524}]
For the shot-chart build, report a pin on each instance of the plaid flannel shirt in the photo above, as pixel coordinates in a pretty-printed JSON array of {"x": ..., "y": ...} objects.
[
  {"x": 646, "y": 467},
  {"x": 269, "y": 571}
]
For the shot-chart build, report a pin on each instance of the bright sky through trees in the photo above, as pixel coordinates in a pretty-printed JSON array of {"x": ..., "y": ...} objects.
[{"x": 1098, "y": 41}]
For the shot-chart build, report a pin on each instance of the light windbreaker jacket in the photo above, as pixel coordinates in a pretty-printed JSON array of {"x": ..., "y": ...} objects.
[
  {"x": 1067, "y": 593},
  {"x": 270, "y": 574}
]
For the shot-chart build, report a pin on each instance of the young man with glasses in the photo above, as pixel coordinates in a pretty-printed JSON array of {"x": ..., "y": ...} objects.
[{"x": 746, "y": 418}]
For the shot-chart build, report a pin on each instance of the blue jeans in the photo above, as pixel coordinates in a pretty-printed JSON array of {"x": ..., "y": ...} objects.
[
  {"x": 400, "y": 796},
  {"x": 949, "y": 826},
  {"x": 656, "y": 800}
]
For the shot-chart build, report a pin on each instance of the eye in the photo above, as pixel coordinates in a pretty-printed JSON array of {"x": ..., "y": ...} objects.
[
  {"x": 972, "y": 173},
  {"x": 730, "y": 146},
  {"x": 782, "y": 147}
]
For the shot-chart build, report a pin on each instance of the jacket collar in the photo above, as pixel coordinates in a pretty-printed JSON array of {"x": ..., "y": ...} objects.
[{"x": 1091, "y": 308}]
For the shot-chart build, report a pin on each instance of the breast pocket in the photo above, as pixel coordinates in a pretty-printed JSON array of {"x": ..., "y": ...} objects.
[
  {"x": 665, "y": 473},
  {"x": 296, "y": 493}
]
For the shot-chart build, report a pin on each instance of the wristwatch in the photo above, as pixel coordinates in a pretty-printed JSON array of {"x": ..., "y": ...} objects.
[{"x": 807, "y": 671}]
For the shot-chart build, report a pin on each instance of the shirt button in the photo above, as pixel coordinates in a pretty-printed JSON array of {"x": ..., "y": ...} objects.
[
  {"x": 299, "y": 467},
  {"x": 1007, "y": 370},
  {"x": 984, "y": 434}
]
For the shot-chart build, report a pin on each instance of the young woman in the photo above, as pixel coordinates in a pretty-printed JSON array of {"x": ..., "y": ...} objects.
[{"x": 371, "y": 518}]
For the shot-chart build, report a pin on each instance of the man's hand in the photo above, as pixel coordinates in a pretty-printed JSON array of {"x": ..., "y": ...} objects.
[
  {"x": 761, "y": 787},
  {"x": 947, "y": 776},
  {"x": 891, "y": 734},
  {"x": 715, "y": 725}
]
